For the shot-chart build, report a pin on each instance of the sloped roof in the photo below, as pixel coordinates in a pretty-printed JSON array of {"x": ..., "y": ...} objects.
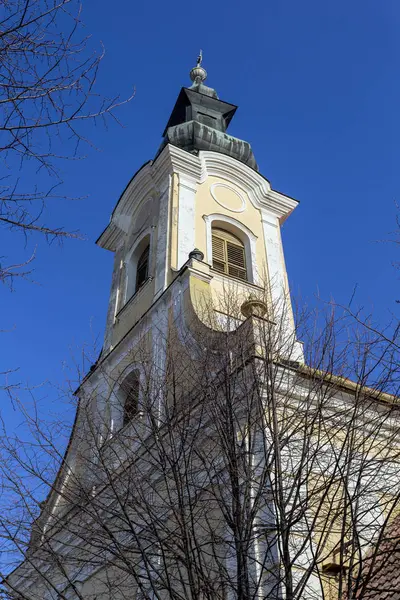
[{"x": 382, "y": 568}]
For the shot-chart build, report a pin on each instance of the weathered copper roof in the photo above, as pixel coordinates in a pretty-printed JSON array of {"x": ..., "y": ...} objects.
[{"x": 199, "y": 121}]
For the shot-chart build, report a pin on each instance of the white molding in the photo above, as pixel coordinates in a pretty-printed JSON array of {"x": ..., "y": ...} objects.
[
  {"x": 181, "y": 161},
  {"x": 152, "y": 180},
  {"x": 257, "y": 188},
  {"x": 186, "y": 218},
  {"x": 116, "y": 397},
  {"x": 140, "y": 186},
  {"x": 163, "y": 234},
  {"x": 146, "y": 232},
  {"x": 269, "y": 219}
]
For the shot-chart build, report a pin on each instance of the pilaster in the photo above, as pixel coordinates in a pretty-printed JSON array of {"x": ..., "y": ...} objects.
[{"x": 186, "y": 218}]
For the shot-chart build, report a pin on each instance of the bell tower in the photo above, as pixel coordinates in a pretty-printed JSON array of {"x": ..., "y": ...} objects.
[
  {"x": 200, "y": 204},
  {"x": 198, "y": 276}
]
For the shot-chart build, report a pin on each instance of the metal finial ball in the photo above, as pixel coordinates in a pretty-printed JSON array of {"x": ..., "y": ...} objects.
[
  {"x": 196, "y": 254},
  {"x": 198, "y": 74}
]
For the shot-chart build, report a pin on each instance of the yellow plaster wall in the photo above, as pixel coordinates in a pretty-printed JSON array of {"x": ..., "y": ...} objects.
[
  {"x": 229, "y": 293},
  {"x": 133, "y": 310},
  {"x": 250, "y": 217},
  {"x": 129, "y": 312}
]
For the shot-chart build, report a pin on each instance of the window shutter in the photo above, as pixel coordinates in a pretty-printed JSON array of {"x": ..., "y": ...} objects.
[
  {"x": 236, "y": 260},
  {"x": 218, "y": 253},
  {"x": 228, "y": 254}
]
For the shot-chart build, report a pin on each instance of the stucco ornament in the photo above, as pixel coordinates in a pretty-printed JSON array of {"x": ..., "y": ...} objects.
[
  {"x": 227, "y": 197},
  {"x": 253, "y": 307}
]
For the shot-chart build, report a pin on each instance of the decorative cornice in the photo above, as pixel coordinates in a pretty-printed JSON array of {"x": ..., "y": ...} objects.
[
  {"x": 141, "y": 185},
  {"x": 176, "y": 160},
  {"x": 250, "y": 181},
  {"x": 153, "y": 179}
]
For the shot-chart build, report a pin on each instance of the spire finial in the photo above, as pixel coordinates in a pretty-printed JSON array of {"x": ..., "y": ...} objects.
[{"x": 198, "y": 74}]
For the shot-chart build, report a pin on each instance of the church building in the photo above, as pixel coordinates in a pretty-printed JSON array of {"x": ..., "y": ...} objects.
[{"x": 207, "y": 461}]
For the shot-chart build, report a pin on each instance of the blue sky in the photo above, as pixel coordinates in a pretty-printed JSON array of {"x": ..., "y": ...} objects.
[{"x": 318, "y": 89}]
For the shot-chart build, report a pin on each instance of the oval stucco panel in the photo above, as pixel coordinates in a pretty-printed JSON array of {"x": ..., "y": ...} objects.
[{"x": 228, "y": 197}]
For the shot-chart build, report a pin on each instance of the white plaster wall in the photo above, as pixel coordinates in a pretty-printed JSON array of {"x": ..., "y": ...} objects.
[
  {"x": 273, "y": 250},
  {"x": 160, "y": 274},
  {"x": 113, "y": 300},
  {"x": 279, "y": 293},
  {"x": 159, "y": 326},
  {"x": 186, "y": 218},
  {"x": 313, "y": 591}
]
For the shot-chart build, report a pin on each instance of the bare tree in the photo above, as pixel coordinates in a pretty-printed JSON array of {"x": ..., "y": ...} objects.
[
  {"x": 47, "y": 89},
  {"x": 225, "y": 471}
]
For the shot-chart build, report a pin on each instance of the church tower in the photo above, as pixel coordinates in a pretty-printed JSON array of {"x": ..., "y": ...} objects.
[
  {"x": 198, "y": 261},
  {"x": 201, "y": 205},
  {"x": 206, "y": 460}
]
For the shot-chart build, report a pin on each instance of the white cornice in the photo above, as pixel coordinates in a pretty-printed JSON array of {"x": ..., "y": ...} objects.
[
  {"x": 255, "y": 185},
  {"x": 141, "y": 185},
  {"x": 153, "y": 179},
  {"x": 109, "y": 238},
  {"x": 175, "y": 160},
  {"x": 208, "y": 163}
]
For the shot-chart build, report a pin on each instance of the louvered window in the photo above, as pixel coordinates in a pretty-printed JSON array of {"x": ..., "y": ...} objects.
[{"x": 228, "y": 254}]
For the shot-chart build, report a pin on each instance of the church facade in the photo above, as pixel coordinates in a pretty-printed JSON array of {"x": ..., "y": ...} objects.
[{"x": 207, "y": 460}]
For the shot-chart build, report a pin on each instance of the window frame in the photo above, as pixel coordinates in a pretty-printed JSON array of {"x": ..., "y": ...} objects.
[
  {"x": 243, "y": 233},
  {"x": 131, "y": 265},
  {"x": 117, "y": 399},
  {"x": 130, "y": 389},
  {"x": 227, "y": 264},
  {"x": 143, "y": 261}
]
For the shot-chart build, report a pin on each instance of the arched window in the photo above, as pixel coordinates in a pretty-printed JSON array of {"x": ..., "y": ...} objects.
[
  {"x": 142, "y": 269},
  {"x": 130, "y": 392},
  {"x": 228, "y": 254},
  {"x": 138, "y": 268}
]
